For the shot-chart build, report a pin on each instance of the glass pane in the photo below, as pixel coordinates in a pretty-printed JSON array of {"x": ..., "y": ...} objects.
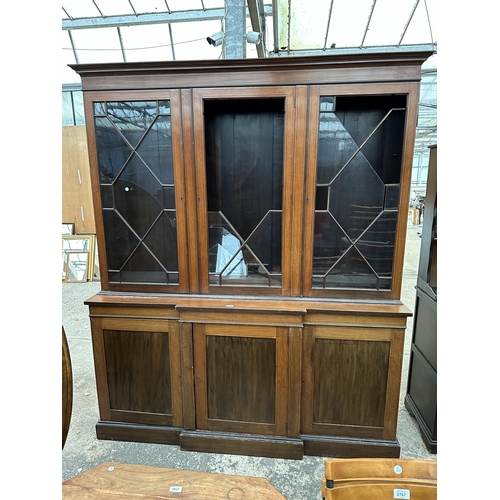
[
  {"x": 225, "y": 256},
  {"x": 265, "y": 242},
  {"x": 329, "y": 243},
  {"x": 67, "y": 109},
  {"x": 357, "y": 190},
  {"x": 112, "y": 150},
  {"x": 137, "y": 196},
  {"x": 142, "y": 267},
  {"x": 107, "y": 195},
  {"x": 257, "y": 260},
  {"x": 356, "y": 196},
  {"x": 376, "y": 244},
  {"x": 99, "y": 109},
  {"x": 132, "y": 119},
  {"x": 351, "y": 271},
  {"x": 376, "y": 124},
  {"x": 164, "y": 108},
  {"x": 391, "y": 197},
  {"x": 120, "y": 239},
  {"x": 78, "y": 107},
  {"x": 335, "y": 147},
  {"x": 168, "y": 197},
  {"x": 244, "y": 162},
  {"x": 134, "y": 147},
  {"x": 162, "y": 240},
  {"x": 327, "y": 103},
  {"x": 156, "y": 150}
]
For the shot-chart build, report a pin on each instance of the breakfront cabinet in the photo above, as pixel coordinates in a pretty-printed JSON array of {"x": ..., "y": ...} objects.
[{"x": 251, "y": 219}]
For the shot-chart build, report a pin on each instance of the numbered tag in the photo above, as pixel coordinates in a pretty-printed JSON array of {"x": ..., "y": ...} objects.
[
  {"x": 401, "y": 493},
  {"x": 178, "y": 489}
]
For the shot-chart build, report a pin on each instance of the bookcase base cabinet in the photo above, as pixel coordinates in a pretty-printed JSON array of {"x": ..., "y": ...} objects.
[{"x": 278, "y": 378}]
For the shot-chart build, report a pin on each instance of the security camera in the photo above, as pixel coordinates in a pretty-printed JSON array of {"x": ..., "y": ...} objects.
[
  {"x": 254, "y": 37},
  {"x": 216, "y": 39}
]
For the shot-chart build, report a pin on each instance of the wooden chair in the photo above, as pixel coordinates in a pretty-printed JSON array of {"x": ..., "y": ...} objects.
[{"x": 379, "y": 478}]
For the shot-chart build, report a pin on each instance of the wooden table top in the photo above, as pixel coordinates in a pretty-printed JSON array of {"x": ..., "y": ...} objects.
[{"x": 111, "y": 481}]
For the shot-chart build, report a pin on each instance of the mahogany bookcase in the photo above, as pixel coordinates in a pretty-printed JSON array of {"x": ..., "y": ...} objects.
[{"x": 251, "y": 218}]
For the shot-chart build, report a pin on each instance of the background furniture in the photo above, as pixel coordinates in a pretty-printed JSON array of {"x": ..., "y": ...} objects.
[
  {"x": 77, "y": 205},
  {"x": 109, "y": 481},
  {"x": 421, "y": 397},
  {"x": 251, "y": 219},
  {"x": 67, "y": 388},
  {"x": 378, "y": 479}
]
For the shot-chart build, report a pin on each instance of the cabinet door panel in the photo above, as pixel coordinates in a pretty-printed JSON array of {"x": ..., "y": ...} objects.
[
  {"x": 138, "y": 371},
  {"x": 241, "y": 379},
  {"x": 350, "y": 382}
]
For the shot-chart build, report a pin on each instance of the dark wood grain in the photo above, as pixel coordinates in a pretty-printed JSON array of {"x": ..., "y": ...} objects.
[
  {"x": 242, "y": 444},
  {"x": 294, "y": 389},
  {"x": 138, "y": 371},
  {"x": 189, "y": 190},
  {"x": 294, "y": 227},
  {"x": 180, "y": 192},
  {"x": 253, "y": 72},
  {"x": 350, "y": 379},
  {"x": 187, "y": 376},
  {"x": 241, "y": 378},
  {"x": 139, "y": 433},
  {"x": 339, "y": 447}
]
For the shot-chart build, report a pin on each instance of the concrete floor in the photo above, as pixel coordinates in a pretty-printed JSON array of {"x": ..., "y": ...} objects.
[{"x": 295, "y": 479}]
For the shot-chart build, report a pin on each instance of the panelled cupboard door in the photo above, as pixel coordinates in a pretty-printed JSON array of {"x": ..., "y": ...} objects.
[
  {"x": 138, "y": 370},
  {"x": 241, "y": 378},
  {"x": 358, "y": 181},
  {"x": 351, "y": 383},
  {"x": 138, "y": 184},
  {"x": 244, "y": 143}
]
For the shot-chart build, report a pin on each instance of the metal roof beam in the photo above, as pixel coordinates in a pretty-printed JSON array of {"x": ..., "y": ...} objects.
[
  {"x": 357, "y": 50},
  {"x": 368, "y": 23},
  {"x": 234, "y": 30},
  {"x": 409, "y": 21},
  {"x": 73, "y": 47},
  {"x": 157, "y": 18},
  {"x": 256, "y": 11},
  {"x": 140, "y": 19}
]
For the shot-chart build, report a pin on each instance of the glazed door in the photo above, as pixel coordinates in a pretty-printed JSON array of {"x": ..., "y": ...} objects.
[
  {"x": 357, "y": 187},
  {"x": 138, "y": 187},
  {"x": 244, "y": 173}
]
